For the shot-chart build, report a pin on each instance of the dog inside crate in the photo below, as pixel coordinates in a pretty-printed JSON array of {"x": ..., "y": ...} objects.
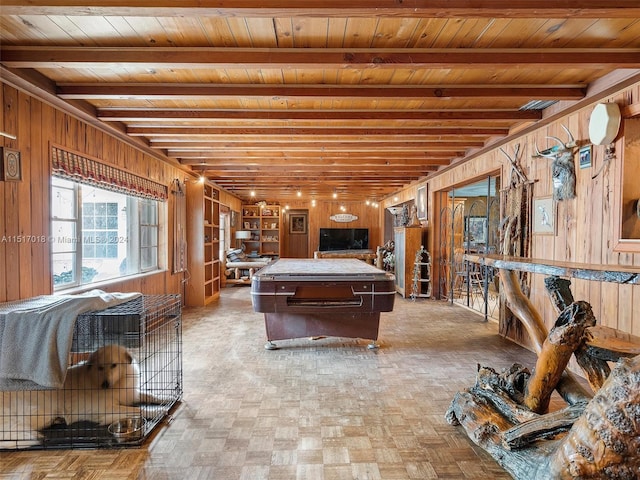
[{"x": 124, "y": 375}]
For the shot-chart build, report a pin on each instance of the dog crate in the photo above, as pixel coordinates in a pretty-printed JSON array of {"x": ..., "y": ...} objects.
[{"x": 150, "y": 328}]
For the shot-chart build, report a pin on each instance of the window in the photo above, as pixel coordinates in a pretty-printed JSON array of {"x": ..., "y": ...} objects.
[
  {"x": 99, "y": 234},
  {"x": 100, "y": 229}
]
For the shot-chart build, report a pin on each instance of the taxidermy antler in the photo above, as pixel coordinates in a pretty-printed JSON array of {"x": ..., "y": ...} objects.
[
  {"x": 515, "y": 167},
  {"x": 562, "y": 166}
]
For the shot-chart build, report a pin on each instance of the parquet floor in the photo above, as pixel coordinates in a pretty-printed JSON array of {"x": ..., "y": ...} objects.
[{"x": 327, "y": 409}]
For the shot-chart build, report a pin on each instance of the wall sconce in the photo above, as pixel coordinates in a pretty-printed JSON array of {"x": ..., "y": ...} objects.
[
  {"x": 242, "y": 235},
  {"x": 8, "y": 135},
  {"x": 199, "y": 179}
]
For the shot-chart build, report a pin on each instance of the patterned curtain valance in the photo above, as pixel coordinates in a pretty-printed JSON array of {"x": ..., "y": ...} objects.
[{"x": 85, "y": 170}]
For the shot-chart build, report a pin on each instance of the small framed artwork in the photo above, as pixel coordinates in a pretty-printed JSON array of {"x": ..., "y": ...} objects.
[
  {"x": 477, "y": 230},
  {"x": 11, "y": 166},
  {"x": 544, "y": 216},
  {"x": 298, "y": 223},
  {"x": 584, "y": 156},
  {"x": 421, "y": 202},
  {"x": 247, "y": 226}
]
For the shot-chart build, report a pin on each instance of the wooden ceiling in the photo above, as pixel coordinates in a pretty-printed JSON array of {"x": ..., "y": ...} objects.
[{"x": 275, "y": 96}]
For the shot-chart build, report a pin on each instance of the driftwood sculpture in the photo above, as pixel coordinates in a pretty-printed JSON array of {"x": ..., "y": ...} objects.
[
  {"x": 602, "y": 439},
  {"x": 515, "y": 232},
  {"x": 507, "y": 413}
]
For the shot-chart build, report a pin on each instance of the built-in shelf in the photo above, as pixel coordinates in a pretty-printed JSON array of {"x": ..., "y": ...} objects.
[
  {"x": 203, "y": 261},
  {"x": 264, "y": 222}
]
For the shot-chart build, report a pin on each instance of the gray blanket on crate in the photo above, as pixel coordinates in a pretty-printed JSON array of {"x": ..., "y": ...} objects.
[{"x": 36, "y": 337}]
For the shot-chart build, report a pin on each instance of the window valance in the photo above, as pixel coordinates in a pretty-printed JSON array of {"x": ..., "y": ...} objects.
[{"x": 79, "y": 168}]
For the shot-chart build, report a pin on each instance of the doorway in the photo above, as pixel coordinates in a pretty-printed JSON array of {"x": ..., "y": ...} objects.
[
  {"x": 296, "y": 234},
  {"x": 469, "y": 222}
]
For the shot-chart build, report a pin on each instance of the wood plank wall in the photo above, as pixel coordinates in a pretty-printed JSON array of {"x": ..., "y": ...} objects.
[
  {"x": 319, "y": 217},
  {"x": 587, "y": 226},
  {"x": 25, "y": 261}
]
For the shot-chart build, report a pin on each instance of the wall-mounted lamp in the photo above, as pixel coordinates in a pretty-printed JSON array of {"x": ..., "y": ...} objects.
[
  {"x": 8, "y": 135},
  {"x": 199, "y": 179}
]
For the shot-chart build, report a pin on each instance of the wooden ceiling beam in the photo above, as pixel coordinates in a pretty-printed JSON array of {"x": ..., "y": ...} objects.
[
  {"x": 316, "y": 58},
  {"x": 314, "y": 178},
  {"x": 213, "y": 174},
  {"x": 300, "y": 181},
  {"x": 369, "y": 146},
  {"x": 169, "y": 115},
  {"x": 283, "y": 167},
  {"x": 291, "y": 133},
  {"x": 319, "y": 168},
  {"x": 198, "y": 158},
  {"x": 219, "y": 141},
  {"x": 155, "y": 91},
  {"x": 328, "y": 8},
  {"x": 304, "y": 163}
]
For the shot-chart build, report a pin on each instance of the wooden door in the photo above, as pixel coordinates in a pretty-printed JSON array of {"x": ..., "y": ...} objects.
[{"x": 296, "y": 237}]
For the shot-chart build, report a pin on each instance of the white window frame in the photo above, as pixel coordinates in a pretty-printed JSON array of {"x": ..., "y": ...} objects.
[{"x": 134, "y": 228}]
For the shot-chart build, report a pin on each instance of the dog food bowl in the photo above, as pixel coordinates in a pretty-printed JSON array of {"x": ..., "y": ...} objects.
[{"x": 127, "y": 429}]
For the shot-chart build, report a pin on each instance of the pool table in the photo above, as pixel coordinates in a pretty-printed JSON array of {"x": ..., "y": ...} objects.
[{"x": 322, "y": 297}]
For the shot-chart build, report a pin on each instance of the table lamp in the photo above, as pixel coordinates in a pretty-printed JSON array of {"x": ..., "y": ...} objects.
[{"x": 242, "y": 235}]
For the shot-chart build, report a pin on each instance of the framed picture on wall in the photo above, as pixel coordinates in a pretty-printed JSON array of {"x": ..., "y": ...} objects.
[
  {"x": 585, "y": 156},
  {"x": 421, "y": 202},
  {"x": 297, "y": 223},
  {"x": 544, "y": 216},
  {"x": 11, "y": 168},
  {"x": 476, "y": 230}
]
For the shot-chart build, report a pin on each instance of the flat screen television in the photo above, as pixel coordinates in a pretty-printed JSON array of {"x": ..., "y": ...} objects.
[{"x": 344, "y": 239}]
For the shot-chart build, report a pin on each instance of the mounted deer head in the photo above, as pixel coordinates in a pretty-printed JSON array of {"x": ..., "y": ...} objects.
[{"x": 563, "y": 170}]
